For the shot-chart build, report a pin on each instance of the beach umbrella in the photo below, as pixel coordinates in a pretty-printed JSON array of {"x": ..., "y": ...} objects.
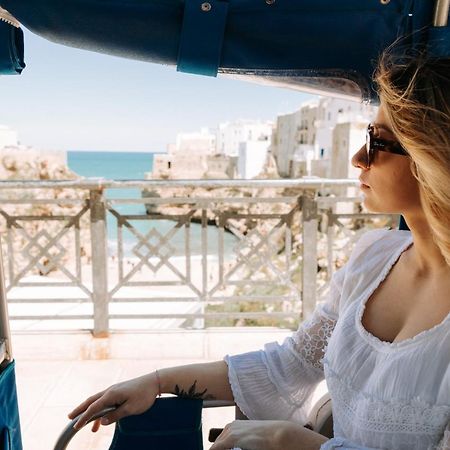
[{"x": 311, "y": 45}]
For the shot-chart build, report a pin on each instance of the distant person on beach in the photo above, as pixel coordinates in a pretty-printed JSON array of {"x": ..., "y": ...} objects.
[{"x": 381, "y": 338}]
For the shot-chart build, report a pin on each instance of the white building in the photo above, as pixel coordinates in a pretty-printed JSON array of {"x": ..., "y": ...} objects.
[
  {"x": 347, "y": 139},
  {"x": 196, "y": 143},
  {"x": 179, "y": 166},
  {"x": 231, "y": 134},
  {"x": 298, "y": 167},
  {"x": 307, "y": 134},
  {"x": 252, "y": 157},
  {"x": 221, "y": 167},
  {"x": 309, "y": 112},
  {"x": 8, "y": 137},
  {"x": 332, "y": 111},
  {"x": 14, "y": 155},
  {"x": 319, "y": 168},
  {"x": 182, "y": 166},
  {"x": 285, "y": 140}
]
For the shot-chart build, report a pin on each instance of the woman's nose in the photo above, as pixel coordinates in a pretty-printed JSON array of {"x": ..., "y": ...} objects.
[{"x": 359, "y": 159}]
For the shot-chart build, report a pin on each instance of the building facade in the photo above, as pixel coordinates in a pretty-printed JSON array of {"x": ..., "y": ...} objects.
[
  {"x": 252, "y": 158},
  {"x": 306, "y": 135},
  {"x": 195, "y": 143},
  {"x": 285, "y": 140},
  {"x": 231, "y": 134}
]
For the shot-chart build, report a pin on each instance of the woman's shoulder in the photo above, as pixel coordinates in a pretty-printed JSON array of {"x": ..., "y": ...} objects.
[
  {"x": 371, "y": 258},
  {"x": 370, "y": 261},
  {"x": 381, "y": 242}
]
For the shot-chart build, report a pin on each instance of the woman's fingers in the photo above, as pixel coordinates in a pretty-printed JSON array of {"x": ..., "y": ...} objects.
[
  {"x": 130, "y": 397},
  {"x": 83, "y": 406},
  {"x": 122, "y": 411},
  {"x": 95, "y": 425},
  {"x": 222, "y": 440},
  {"x": 103, "y": 402}
]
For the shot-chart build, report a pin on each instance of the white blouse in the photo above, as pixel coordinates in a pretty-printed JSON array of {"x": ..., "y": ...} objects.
[{"x": 384, "y": 395}]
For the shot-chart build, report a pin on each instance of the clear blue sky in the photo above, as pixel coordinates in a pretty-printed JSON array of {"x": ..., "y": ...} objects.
[{"x": 70, "y": 99}]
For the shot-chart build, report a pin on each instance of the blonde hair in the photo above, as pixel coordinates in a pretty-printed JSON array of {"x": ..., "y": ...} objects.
[{"x": 415, "y": 91}]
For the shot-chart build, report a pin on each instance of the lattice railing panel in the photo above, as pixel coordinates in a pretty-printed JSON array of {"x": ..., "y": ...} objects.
[{"x": 43, "y": 245}]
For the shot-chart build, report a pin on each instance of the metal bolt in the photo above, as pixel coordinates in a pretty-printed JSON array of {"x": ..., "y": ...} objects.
[
  {"x": 270, "y": 2},
  {"x": 206, "y": 7},
  {"x": 385, "y": 2}
]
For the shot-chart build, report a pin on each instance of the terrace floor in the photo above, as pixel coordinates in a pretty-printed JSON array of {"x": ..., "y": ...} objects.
[{"x": 57, "y": 370}]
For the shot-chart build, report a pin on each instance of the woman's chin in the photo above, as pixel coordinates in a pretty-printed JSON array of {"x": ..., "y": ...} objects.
[{"x": 370, "y": 207}]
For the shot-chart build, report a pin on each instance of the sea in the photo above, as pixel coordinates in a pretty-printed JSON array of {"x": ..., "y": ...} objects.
[{"x": 133, "y": 166}]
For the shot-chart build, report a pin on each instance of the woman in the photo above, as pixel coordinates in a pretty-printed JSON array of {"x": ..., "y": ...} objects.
[{"x": 382, "y": 338}]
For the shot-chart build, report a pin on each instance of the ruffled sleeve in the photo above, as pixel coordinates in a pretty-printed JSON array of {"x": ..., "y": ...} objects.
[{"x": 277, "y": 382}]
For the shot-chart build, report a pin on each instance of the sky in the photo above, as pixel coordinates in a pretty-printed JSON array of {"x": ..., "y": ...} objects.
[{"x": 70, "y": 99}]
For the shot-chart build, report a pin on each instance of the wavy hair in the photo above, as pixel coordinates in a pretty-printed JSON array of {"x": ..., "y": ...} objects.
[{"x": 415, "y": 90}]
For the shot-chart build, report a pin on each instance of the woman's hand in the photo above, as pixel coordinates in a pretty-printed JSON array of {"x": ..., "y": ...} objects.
[
  {"x": 267, "y": 435},
  {"x": 130, "y": 397}
]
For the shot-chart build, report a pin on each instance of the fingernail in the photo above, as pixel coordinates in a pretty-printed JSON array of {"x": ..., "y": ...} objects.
[{"x": 104, "y": 421}]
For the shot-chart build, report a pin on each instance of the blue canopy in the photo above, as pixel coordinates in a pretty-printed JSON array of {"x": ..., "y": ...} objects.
[
  {"x": 11, "y": 48},
  {"x": 316, "y": 45}
]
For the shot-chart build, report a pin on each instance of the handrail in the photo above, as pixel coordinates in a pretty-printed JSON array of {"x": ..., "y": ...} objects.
[
  {"x": 3, "y": 353},
  {"x": 103, "y": 183},
  {"x": 69, "y": 431},
  {"x": 5, "y": 332},
  {"x": 441, "y": 13}
]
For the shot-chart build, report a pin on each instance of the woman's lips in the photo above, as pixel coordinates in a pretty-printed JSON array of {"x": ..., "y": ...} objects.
[{"x": 363, "y": 185}]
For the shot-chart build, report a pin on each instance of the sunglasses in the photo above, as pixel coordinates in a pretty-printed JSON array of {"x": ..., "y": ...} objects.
[{"x": 376, "y": 144}]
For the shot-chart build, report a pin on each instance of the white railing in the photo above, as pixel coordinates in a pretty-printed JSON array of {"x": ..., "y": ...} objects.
[{"x": 286, "y": 238}]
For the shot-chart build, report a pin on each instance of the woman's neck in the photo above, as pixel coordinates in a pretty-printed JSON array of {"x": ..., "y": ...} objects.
[{"x": 424, "y": 257}]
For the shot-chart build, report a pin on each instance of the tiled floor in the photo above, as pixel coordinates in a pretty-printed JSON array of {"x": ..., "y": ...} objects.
[{"x": 55, "y": 371}]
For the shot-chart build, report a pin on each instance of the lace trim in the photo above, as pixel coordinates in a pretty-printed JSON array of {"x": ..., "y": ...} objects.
[
  {"x": 359, "y": 411},
  {"x": 311, "y": 340}
]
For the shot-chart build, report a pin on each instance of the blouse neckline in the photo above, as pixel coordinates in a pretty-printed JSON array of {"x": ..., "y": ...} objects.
[{"x": 373, "y": 340}]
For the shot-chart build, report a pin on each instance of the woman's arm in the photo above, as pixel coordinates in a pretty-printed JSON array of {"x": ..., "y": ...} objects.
[{"x": 207, "y": 381}]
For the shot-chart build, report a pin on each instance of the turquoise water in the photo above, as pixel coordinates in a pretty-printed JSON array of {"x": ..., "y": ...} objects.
[
  {"x": 132, "y": 166},
  {"x": 114, "y": 166}
]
